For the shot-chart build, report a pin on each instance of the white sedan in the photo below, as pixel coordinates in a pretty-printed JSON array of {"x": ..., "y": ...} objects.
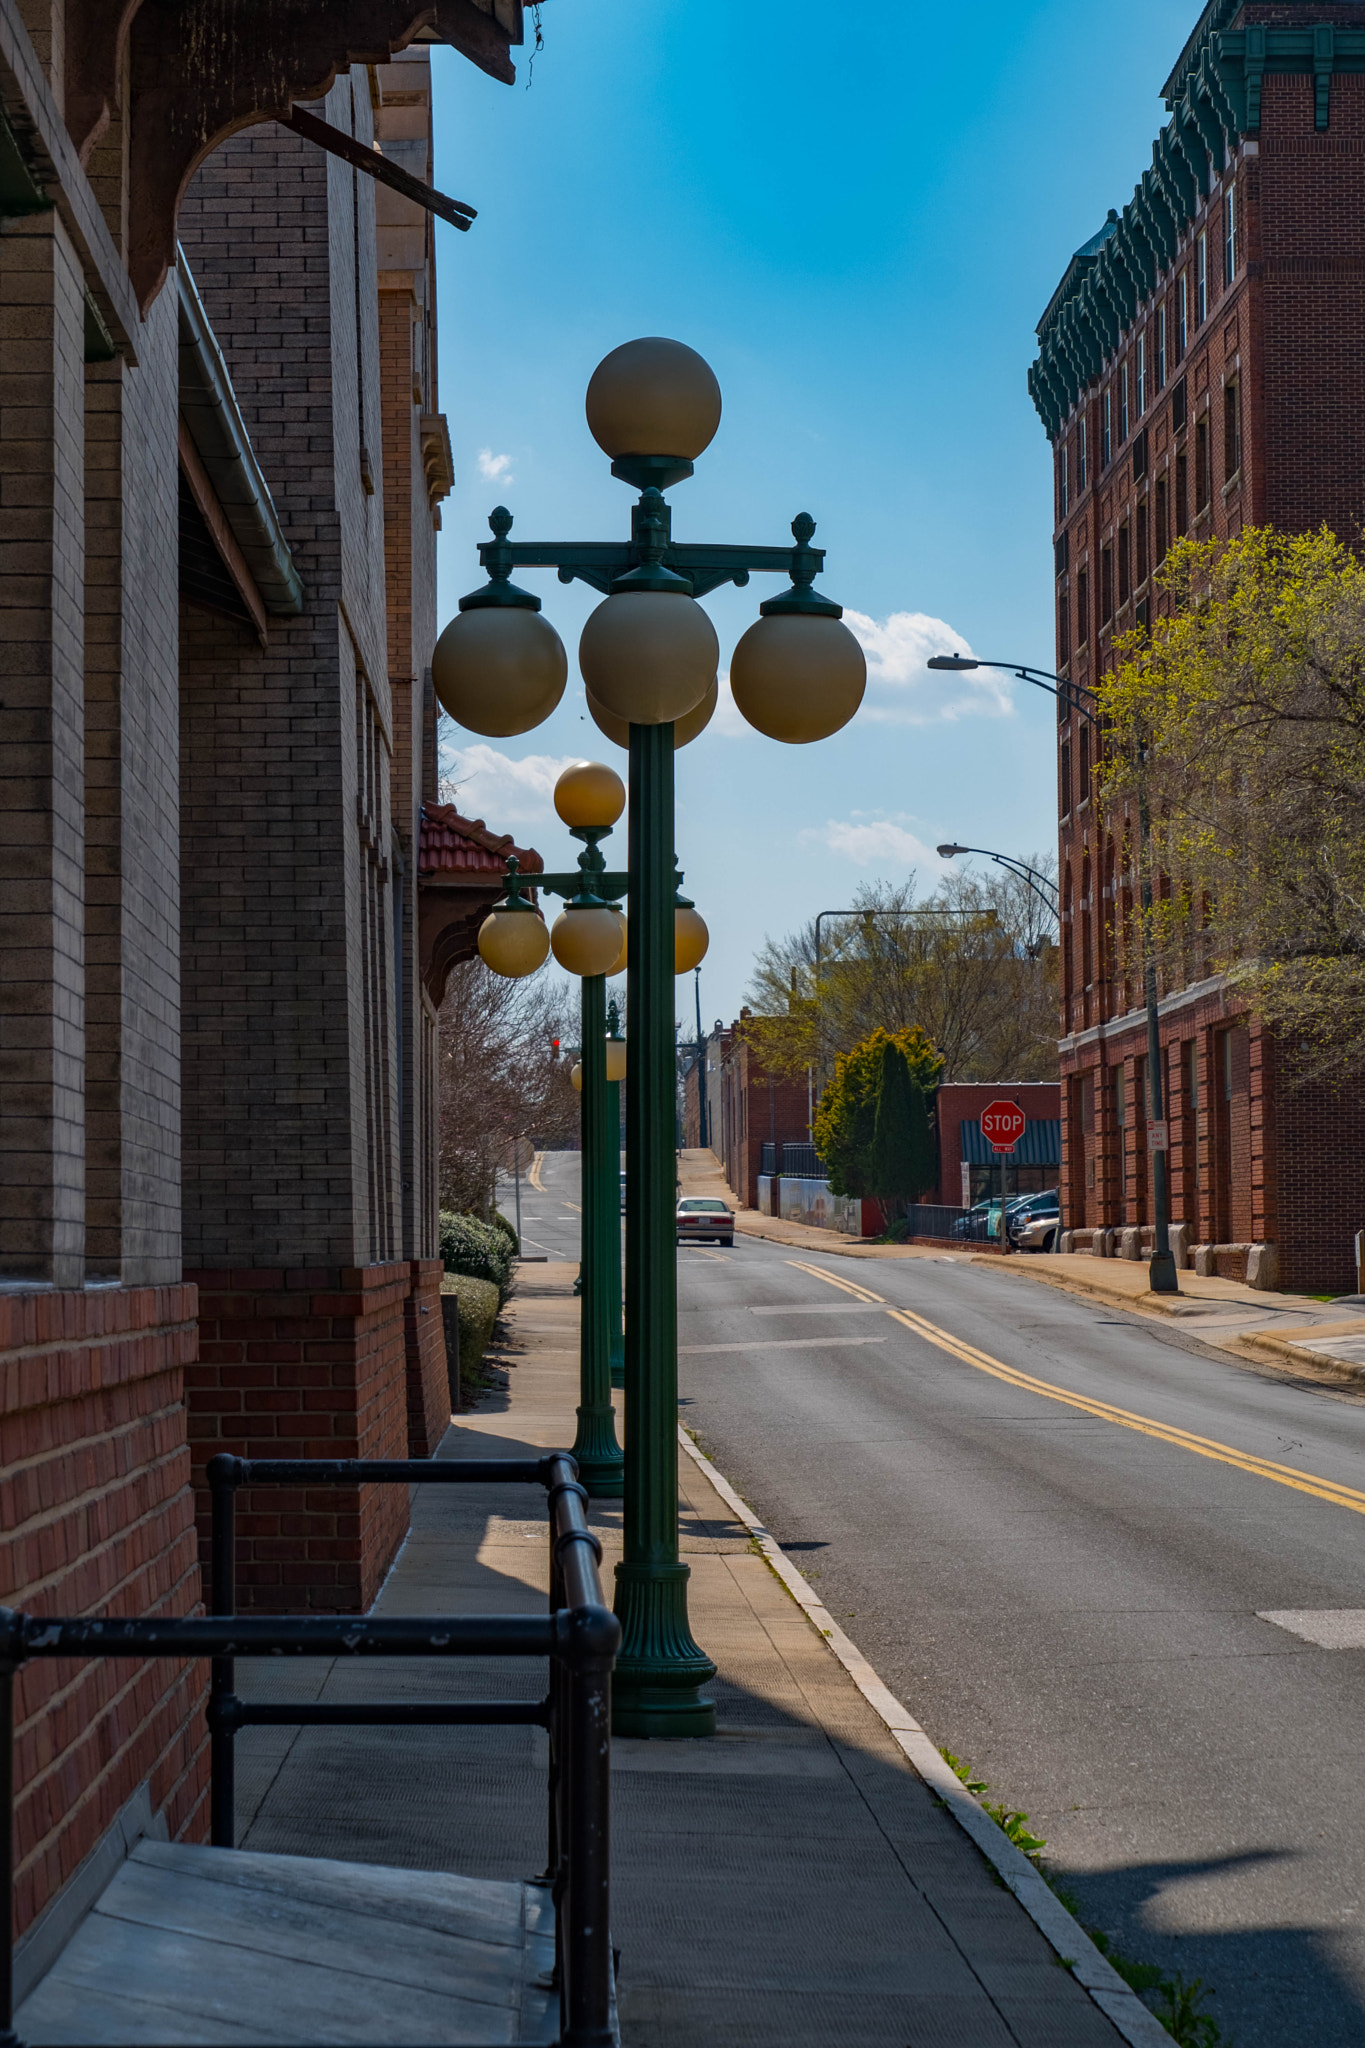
[{"x": 699, "y": 1217}]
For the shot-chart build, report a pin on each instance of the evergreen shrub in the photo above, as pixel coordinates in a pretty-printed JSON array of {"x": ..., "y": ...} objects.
[{"x": 477, "y": 1250}]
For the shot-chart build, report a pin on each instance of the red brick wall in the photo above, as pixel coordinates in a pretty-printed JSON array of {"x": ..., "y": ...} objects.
[
  {"x": 304, "y": 1364},
  {"x": 97, "y": 1517},
  {"x": 960, "y": 1102},
  {"x": 425, "y": 1353},
  {"x": 752, "y": 1112},
  {"x": 1264, "y": 1164}
]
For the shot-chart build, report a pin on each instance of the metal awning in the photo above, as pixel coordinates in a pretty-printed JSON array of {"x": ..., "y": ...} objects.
[{"x": 1041, "y": 1144}]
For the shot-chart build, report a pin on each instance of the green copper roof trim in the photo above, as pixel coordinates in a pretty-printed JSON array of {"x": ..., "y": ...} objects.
[{"x": 1214, "y": 98}]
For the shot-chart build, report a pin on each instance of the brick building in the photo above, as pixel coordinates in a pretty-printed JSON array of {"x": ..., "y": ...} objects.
[
  {"x": 219, "y": 479},
  {"x": 1201, "y": 367},
  {"x": 755, "y": 1109}
]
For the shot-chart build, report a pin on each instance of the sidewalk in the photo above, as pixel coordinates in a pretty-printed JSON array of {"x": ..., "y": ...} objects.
[
  {"x": 1247, "y": 1321},
  {"x": 793, "y": 1883}
]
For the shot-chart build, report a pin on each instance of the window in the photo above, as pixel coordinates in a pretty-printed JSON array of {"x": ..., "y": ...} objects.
[
  {"x": 1182, "y": 315},
  {"x": 1106, "y": 583},
  {"x": 1064, "y": 781},
  {"x": 1125, "y": 564},
  {"x": 1082, "y": 606},
  {"x": 1106, "y": 428},
  {"x": 1182, "y": 490},
  {"x": 1230, "y": 234},
  {"x": 1141, "y": 564},
  {"x": 1201, "y": 287},
  {"x": 1203, "y": 482},
  {"x": 1083, "y": 793},
  {"x": 1120, "y": 1099},
  {"x": 1163, "y": 530},
  {"x": 1161, "y": 347},
  {"x": 1232, "y": 432},
  {"x": 1063, "y": 493},
  {"x": 1141, "y": 374},
  {"x": 1227, "y": 1066},
  {"x": 1192, "y": 1103},
  {"x": 1080, "y": 453},
  {"x": 1123, "y": 402},
  {"x": 1179, "y": 406},
  {"x": 1063, "y": 629}
]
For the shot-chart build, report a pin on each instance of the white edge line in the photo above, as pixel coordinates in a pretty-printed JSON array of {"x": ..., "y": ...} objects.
[{"x": 1065, "y": 1934}]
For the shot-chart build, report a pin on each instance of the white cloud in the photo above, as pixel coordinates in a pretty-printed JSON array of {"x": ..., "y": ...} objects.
[
  {"x": 727, "y": 719},
  {"x": 902, "y": 690},
  {"x": 504, "y": 792},
  {"x": 871, "y": 842},
  {"x": 495, "y": 469}
]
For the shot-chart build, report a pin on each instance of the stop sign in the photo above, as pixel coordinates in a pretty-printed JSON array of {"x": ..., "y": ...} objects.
[{"x": 1002, "y": 1124}]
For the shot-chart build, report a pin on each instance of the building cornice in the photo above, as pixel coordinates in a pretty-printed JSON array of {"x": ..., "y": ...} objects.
[
  {"x": 1214, "y": 99},
  {"x": 1136, "y": 1020}
]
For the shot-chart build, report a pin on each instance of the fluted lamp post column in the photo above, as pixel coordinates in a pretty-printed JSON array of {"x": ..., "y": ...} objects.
[{"x": 649, "y": 659}]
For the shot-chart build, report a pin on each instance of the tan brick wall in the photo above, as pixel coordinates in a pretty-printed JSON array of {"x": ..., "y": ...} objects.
[
  {"x": 132, "y": 813},
  {"x": 290, "y": 1076},
  {"x": 42, "y": 886}
]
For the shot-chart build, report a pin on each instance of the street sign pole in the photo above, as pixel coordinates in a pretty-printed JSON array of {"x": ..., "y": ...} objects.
[{"x": 1003, "y": 1124}]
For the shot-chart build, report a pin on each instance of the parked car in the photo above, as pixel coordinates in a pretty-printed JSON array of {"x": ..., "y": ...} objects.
[
  {"x": 699, "y": 1217},
  {"x": 623, "y": 1194},
  {"x": 1035, "y": 1221},
  {"x": 982, "y": 1220}
]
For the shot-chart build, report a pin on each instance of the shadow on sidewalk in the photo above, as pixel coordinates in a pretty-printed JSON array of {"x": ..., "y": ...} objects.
[{"x": 789, "y": 1884}]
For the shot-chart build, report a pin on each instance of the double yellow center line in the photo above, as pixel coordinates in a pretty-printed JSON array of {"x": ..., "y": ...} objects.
[{"x": 1104, "y": 1411}]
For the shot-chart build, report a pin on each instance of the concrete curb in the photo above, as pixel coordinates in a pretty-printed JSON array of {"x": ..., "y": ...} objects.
[{"x": 1073, "y": 1945}]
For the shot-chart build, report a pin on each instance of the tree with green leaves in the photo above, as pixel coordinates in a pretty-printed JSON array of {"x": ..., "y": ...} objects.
[
  {"x": 902, "y": 1161},
  {"x": 846, "y": 1119},
  {"x": 1241, "y": 719}
]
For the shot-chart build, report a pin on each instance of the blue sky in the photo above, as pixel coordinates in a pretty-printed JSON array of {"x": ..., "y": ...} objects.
[{"x": 857, "y": 215}]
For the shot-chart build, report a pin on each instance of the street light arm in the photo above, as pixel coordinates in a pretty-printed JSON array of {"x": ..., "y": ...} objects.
[
  {"x": 1062, "y": 687},
  {"x": 1161, "y": 1268},
  {"x": 1039, "y": 883}
]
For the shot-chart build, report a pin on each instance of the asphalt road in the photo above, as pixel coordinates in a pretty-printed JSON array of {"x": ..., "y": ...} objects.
[{"x": 1069, "y": 1598}]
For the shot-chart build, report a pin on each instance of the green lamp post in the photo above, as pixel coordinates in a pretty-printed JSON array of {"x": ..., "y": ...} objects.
[
  {"x": 649, "y": 658},
  {"x": 616, "y": 1069},
  {"x": 587, "y": 939}
]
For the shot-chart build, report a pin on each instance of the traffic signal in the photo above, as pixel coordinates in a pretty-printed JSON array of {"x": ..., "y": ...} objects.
[{"x": 554, "y": 1048}]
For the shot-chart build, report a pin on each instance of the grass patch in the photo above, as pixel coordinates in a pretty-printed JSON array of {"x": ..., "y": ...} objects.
[{"x": 1179, "y": 2006}]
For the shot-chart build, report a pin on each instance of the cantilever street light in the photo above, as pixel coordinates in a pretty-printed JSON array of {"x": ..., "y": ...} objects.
[
  {"x": 1039, "y": 883},
  {"x": 649, "y": 658},
  {"x": 1161, "y": 1273}
]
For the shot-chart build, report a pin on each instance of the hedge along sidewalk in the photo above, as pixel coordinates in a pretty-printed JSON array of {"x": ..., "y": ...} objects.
[{"x": 814, "y": 1875}]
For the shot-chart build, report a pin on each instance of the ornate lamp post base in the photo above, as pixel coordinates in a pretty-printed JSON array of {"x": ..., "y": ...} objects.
[
  {"x": 655, "y": 1688},
  {"x": 601, "y": 1462}
]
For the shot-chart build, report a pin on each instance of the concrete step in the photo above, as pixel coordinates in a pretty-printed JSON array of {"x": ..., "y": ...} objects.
[{"x": 191, "y": 1945}]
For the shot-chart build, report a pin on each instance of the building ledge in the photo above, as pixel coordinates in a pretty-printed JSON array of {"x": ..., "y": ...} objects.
[{"x": 208, "y": 406}]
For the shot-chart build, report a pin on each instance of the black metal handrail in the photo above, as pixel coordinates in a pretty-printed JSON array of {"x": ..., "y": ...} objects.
[
  {"x": 579, "y": 1635},
  {"x": 767, "y": 1157}
]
